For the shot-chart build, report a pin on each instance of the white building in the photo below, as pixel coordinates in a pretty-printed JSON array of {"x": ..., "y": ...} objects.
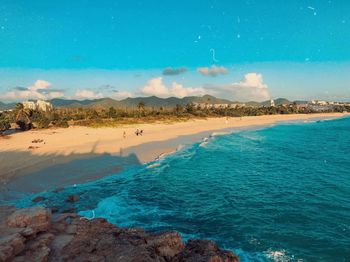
[
  {"x": 38, "y": 105},
  {"x": 319, "y": 102},
  {"x": 206, "y": 105},
  {"x": 43, "y": 105},
  {"x": 29, "y": 105}
]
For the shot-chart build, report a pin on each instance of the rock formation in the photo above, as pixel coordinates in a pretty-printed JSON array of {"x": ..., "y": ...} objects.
[{"x": 34, "y": 234}]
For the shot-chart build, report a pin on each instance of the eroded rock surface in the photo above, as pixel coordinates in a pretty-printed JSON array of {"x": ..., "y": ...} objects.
[{"x": 33, "y": 234}]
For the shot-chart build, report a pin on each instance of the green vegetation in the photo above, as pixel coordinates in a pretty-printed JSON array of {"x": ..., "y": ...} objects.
[
  {"x": 141, "y": 113},
  {"x": 27, "y": 119},
  {"x": 60, "y": 123},
  {"x": 98, "y": 117},
  {"x": 23, "y": 117},
  {"x": 4, "y": 123}
]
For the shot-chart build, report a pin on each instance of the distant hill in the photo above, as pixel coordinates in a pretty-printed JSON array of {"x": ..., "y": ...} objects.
[
  {"x": 252, "y": 103},
  {"x": 58, "y": 102},
  {"x": 278, "y": 101},
  {"x": 301, "y": 102},
  {"x": 4, "y": 106},
  {"x": 151, "y": 101}
]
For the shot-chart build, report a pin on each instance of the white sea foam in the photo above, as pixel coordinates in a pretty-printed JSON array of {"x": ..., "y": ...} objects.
[
  {"x": 251, "y": 256},
  {"x": 219, "y": 134},
  {"x": 180, "y": 147},
  {"x": 252, "y": 137},
  {"x": 163, "y": 155},
  {"x": 154, "y": 165},
  {"x": 279, "y": 256},
  {"x": 204, "y": 142}
]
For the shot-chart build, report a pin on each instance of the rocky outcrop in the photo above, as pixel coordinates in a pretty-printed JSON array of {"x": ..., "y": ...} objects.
[
  {"x": 203, "y": 250},
  {"x": 33, "y": 234},
  {"x": 32, "y": 220}
]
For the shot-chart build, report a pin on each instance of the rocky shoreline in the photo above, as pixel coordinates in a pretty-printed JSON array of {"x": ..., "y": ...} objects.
[{"x": 35, "y": 234}]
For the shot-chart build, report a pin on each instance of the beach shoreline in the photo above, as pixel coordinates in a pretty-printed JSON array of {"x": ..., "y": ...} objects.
[{"x": 80, "y": 154}]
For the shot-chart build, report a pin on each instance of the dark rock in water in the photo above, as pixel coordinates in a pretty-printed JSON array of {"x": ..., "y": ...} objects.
[
  {"x": 69, "y": 210},
  {"x": 73, "y": 198},
  {"x": 204, "y": 250},
  {"x": 38, "y": 199},
  {"x": 54, "y": 209},
  {"x": 32, "y": 234}
]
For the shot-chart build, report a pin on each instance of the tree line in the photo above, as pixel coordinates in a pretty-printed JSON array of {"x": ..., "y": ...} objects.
[{"x": 26, "y": 119}]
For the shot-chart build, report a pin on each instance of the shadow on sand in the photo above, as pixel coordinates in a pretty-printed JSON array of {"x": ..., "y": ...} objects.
[{"x": 53, "y": 171}]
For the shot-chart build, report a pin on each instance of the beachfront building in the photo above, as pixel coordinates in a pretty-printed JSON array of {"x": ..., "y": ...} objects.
[
  {"x": 29, "y": 105},
  {"x": 38, "y": 105},
  {"x": 319, "y": 102},
  {"x": 207, "y": 105},
  {"x": 44, "y": 106}
]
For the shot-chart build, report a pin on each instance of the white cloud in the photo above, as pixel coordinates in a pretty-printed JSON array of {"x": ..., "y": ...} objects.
[
  {"x": 155, "y": 87},
  {"x": 252, "y": 80},
  {"x": 87, "y": 94},
  {"x": 41, "y": 89},
  {"x": 39, "y": 84},
  {"x": 250, "y": 88},
  {"x": 179, "y": 91},
  {"x": 212, "y": 71}
]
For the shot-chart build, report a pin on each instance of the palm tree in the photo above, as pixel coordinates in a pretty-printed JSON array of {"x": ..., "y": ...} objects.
[
  {"x": 112, "y": 113},
  {"x": 141, "y": 107},
  {"x": 178, "y": 109},
  {"x": 23, "y": 117},
  {"x": 4, "y": 123},
  {"x": 190, "y": 108}
]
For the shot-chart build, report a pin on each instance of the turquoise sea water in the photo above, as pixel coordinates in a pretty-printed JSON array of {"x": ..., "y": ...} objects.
[{"x": 279, "y": 193}]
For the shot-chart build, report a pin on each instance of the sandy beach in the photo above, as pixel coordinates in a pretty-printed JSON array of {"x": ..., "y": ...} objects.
[{"x": 65, "y": 152}]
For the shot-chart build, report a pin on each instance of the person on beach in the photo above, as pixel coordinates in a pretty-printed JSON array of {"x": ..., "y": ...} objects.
[
  {"x": 141, "y": 132},
  {"x": 137, "y": 132},
  {"x": 124, "y": 134}
]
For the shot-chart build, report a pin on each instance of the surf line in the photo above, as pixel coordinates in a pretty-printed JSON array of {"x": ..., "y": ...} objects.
[{"x": 89, "y": 218}]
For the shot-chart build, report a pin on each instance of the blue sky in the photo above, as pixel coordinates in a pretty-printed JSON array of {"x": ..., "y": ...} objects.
[{"x": 246, "y": 50}]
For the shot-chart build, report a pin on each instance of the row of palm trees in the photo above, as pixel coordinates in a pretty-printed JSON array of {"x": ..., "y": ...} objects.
[{"x": 25, "y": 117}]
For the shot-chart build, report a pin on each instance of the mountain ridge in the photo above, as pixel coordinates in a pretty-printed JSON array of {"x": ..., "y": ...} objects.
[{"x": 150, "y": 102}]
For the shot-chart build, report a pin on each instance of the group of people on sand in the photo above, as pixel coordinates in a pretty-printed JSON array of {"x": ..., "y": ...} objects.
[{"x": 137, "y": 133}]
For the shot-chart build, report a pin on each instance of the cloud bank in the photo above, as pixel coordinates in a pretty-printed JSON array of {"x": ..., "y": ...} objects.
[
  {"x": 250, "y": 88},
  {"x": 155, "y": 87},
  {"x": 41, "y": 89},
  {"x": 212, "y": 71},
  {"x": 87, "y": 94}
]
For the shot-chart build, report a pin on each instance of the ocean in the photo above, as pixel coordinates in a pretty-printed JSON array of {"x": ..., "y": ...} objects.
[{"x": 278, "y": 193}]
